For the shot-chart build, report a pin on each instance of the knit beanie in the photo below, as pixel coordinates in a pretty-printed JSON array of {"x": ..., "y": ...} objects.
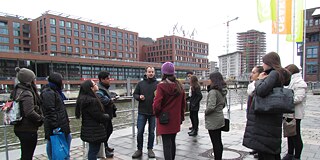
[
  {"x": 25, "y": 75},
  {"x": 167, "y": 68},
  {"x": 56, "y": 78}
]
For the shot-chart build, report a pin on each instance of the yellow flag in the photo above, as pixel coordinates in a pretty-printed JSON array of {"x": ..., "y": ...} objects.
[
  {"x": 298, "y": 23},
  {"x": 284, "y": 16},
  {"x": 264, "y": 10}
]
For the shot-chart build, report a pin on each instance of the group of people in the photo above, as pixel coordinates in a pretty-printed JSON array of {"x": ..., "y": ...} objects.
[
  {"x": 96, "y": 108},
  {"x": 263, "y": 131}
]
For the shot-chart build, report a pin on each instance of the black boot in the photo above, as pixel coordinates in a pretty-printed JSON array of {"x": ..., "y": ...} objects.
[
  {"x": 192, "y": 130},
  {"x": 193, "y": 133}
]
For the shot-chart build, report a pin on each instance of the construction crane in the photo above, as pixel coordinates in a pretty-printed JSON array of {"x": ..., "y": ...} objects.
[{"x": 227, "y": 45}]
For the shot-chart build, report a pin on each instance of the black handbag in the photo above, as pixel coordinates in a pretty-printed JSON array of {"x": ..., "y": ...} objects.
[
  {"x": 280, "y": 100},
  {"x": 164, "y": 118},
  {"x": 226, "y": 126}
]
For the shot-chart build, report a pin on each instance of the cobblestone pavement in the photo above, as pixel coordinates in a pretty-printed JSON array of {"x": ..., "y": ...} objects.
[{"x": 190, "y": 148}]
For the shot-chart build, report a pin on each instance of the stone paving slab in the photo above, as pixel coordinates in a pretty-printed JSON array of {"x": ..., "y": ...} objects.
[{"x": 191, "y": 148}]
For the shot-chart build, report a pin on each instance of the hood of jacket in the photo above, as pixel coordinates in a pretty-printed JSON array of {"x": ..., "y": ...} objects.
[{"x": 171, "y": 88}]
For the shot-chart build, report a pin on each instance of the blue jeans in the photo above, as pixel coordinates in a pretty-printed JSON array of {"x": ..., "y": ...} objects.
[
  {"x": 141, "y": 123},
  {"x": 49, "y": 147},
  {"x": 93, "y": 150}
]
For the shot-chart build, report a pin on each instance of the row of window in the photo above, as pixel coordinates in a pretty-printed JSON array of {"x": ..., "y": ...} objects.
[
  {"x": 312, "y": 22},
  {"x": 89, "y": 28},
  {"x": 183, "y": 42},
  {"x": 312, "y": 52}
]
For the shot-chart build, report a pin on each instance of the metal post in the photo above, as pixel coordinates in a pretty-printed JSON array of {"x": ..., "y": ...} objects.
[
  {"x": 6, "y": 142},
  {"x": 133, "y": 118}
]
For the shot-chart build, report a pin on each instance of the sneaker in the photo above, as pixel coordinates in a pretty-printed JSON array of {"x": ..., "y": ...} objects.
[
  {"x": 151, "y": 154},
  {"x": 137, "y": 154},
  {"x": 288, "y": 157}
]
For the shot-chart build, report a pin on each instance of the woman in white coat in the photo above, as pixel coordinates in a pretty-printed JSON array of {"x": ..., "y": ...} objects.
[{"x": 299, "y": 86}]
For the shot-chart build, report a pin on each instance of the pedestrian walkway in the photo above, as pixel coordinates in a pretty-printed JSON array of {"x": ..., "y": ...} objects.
[{"x": 199, "y": 147}]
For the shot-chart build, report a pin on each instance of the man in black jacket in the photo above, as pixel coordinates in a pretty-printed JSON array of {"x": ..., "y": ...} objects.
[
  {"x": 144, "y": 93},
  {"x": 105, "y": 97}
]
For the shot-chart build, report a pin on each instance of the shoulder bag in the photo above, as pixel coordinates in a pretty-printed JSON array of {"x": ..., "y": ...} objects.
[
  {"x": 280, "y": 100},
  {"x": 289, "y": 128}
]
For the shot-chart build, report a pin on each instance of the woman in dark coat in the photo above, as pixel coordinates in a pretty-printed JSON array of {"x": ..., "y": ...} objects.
[
  {"x": 263, "y": 131},
  {"x": 194, "y": 100},
  {"x": 27, "y": 130},
  {"x": 93, "y": 117}
]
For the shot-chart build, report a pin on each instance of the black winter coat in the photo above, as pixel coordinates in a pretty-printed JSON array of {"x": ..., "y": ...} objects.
[
  {"x": 195, "y": 99},
  {"x": 105, "y": 97},
  {"x": 93, "y": 120},
  {"x": 146, "y": 87},
  {"x": 54, "y": 111},
  {"x": 263, "y": 131}
]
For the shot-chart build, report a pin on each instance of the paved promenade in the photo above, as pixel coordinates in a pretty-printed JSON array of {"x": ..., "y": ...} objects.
[{"x": 191, "y": 148}]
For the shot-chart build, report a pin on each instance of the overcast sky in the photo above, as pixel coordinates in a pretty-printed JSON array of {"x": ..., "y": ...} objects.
[{"x": 156, "y": 18}]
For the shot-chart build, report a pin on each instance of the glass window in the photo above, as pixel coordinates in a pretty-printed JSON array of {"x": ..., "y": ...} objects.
[
  {"x": 83, "y": 42},
  {"x": 108, "y": 32},
  {"x": 96, "y": 51},
  {"x": 76, "y": 41},
  {"x": 120, "y": 41},
  {"x": 89, "y": 36},
  {"x": 114, "y": 33},
  {"x": 312, "y": 52},
  {"x": 312, "y": 67},
  {"x": 96, "y": 44},
  {"x": 102, "y": 38},
  {"x": 16, "y": 41},
  {"x": 76, "y": 33},
  {"x": 16, "y": 48},
  {"x": 4, "y": 48},
  {"x": 53, "y": 30},
  {"x": 90, "y": 43},
  {"x": 62, "y": 31},
  {"x": 120, "y": 34},
  {"x": 103, "y": 45},
  {"x": 75, "y": 26},
  {"x": 16, "y": 25},
  {"x": 4, "y": 40},
  {"x": 114, "y": 40},
  {"x": 62, "y": 40},
  {"x": 96, "y": 29},
  {"x": 102, "y": 52},
  {"x": 68, "y": 40},
  {"x": 16, "y": 33},
  {"x": 4, "y": 31},
  {"x": 126, "y": 35},
  {"x": 68, "y": 24},
  {"x": 84, "y": 50},
  {"x": 82, "y": 27},
  {"x": 120, "y": 54},
  {"x": 83, "y": 34},
  {"x": 96, "y": 37},
  {"x": 69, "y": 32},
  {"x": 108, "y": 39},
  {"x": 53, "y": 47},
  {"x": 53, "y": 39},
  {"x": 52, "y": 21},
  {"x": 61, "y": 23},
  {"x": 103, "y": 31},
  {"x": 89, "y": 28},
  {"x": 77, "y": 50},
  {"x": 69, "y": 49},
  {"x": 120, "y": 47},
  {"x": 90, "y": 51},
  {"x": 114, "y": 47},
  {"x": 62, "y": 48}
]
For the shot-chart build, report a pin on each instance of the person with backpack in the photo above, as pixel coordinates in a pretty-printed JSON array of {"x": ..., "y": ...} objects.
[
  {"x": 54, "y": 110},
  {"x": 25, "y": 92}
]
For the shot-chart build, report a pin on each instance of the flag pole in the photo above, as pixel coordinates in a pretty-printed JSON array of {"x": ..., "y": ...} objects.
[
  {"x": 278, "y": 28},
  {"x": 293, "y": 30},
  {"x": 304, "y": 40}
]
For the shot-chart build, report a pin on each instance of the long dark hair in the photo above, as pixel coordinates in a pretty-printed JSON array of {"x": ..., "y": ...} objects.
[
  {"x": 272, "y": 59},
  {"x": 173, "y": 78},
  {"x": 85, "y": 90},
  {"x": 217, "y": 81},
  {"x": 194, "y": 83}
]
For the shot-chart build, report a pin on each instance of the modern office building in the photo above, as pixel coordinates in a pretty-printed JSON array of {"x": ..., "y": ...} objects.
[
  {"x": 75, "y": 47},
  {"x": 213, "y": 66},
  {"x": 252, "y": 44},
  {"x": 312, "y": 45},
  {"x": 183, "y": 52},
  {"x": 230, "y": 65}
]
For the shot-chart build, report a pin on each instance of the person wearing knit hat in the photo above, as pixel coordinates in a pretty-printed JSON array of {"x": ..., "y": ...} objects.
[
  {"x": 26, "y": 93},
  {"x": 167, "y": 68},
  {"x": 25, "y": 75},
  {"x": 170, "y": 91},
  {"x": 54, "y": 110}
]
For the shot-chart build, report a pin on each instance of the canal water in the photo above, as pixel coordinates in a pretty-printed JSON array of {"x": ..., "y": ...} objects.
[{"x": 234, "y": 97}]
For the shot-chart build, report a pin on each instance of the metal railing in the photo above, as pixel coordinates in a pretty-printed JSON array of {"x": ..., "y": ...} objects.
[{"x": 7, "y": 145}]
